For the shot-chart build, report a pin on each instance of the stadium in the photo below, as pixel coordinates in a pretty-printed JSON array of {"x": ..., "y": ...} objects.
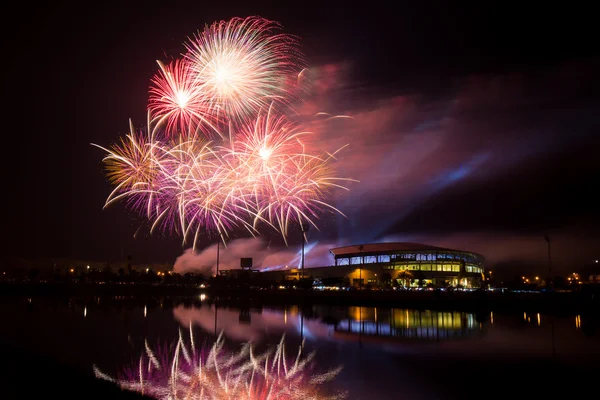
[{"x": 401, "y": 264}]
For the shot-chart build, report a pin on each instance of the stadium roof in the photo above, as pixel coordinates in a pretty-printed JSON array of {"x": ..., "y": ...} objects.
[{"x": 376, "y": 248}]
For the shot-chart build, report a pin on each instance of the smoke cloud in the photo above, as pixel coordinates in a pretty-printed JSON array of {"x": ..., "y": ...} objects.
[
  {"x": 264, "y": 256},
  {"x": 475, "y": 167}
]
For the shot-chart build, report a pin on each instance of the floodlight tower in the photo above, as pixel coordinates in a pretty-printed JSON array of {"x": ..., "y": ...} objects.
[{"x": 304, "y": 228}]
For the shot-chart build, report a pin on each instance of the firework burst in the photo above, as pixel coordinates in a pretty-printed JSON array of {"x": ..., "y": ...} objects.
[
  {"x": 134, "y": 167},
  {"x": 177, "y": 103},
  {"x": 182, "y": 372},
  {"x": 186, "y": 179},
  {"x": 243, "y": 65},
  {"x": 298, "y": 195},
  {"x": 190, "y": 186}
]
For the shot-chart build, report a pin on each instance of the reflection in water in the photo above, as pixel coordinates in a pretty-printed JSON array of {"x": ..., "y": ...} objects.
[
  {"x": 251, "y": 325},
  {"x": 317, "y": 323},
  {"x": 114, "y": 330},
  {"x": 396, "y": 323},
  {"x": 201, "y": 373},
  {"x": 245, "y": 317}
]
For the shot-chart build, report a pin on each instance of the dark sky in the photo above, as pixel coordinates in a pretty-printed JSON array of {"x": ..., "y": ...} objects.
[{"x": 475, "y": 125}]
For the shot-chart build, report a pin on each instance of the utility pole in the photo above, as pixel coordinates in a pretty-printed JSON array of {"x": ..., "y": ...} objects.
[
  {"x": 216, "y": 311},
  {"x": 302, "y": 262},
  {"x": 362, "y": 261},
  {"x": 549, "y": 262},
  {"x": 304, "y": 229},
  {"x": 218, "y": 250}
]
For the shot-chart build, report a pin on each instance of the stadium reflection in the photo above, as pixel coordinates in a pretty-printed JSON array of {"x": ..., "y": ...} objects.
[
  {"x": 332, "y": 323},
  {"x": 370, "y": 322}
]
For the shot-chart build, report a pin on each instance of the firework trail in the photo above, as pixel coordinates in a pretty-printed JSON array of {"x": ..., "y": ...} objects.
[
  {"x": 182, "y": 372},
  {"x": 219, "y": 154}
]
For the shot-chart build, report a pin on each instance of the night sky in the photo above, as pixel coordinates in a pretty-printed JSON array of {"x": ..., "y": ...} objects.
[{"x": 474, "y": 126}]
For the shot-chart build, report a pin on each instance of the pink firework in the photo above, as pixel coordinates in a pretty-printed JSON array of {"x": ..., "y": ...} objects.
[
  {"x": 183, "y": 371},
  {"x": 208, "y": 194},
  {"x": 266, "y": 140},
  {"x": 262, "y": 175},
  {"x": 177, "y": 103},
  {"x": 296, "y": 193},
  {"x": 238, "y": 77},
  {"x": 243, "y": 65}
]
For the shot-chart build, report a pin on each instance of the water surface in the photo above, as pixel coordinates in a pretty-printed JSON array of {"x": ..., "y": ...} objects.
[{"x": 386, "y": 353}]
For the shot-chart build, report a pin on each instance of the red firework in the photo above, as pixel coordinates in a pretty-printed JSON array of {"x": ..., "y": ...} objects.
[{"x": 176, "y": 102}]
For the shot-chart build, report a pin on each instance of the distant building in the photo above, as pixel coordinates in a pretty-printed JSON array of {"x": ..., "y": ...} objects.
[
  {"x": 409, "y": 264},
  {"x": 591, "y": 271},
  {"x": 246, "y": 269}
]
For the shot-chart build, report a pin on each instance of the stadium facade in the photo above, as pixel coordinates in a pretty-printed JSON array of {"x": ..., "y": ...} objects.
[{"x": 404, "y": 264}]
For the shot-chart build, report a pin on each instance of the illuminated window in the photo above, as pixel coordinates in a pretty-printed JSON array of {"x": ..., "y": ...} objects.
[
  {"x": 455, "y": 268},
  {"x": 413, "y": 267},
  {"x": 473, "y": 268},
  {"x": 425, "y": 267},
  {"x": 447, "y": 267}
]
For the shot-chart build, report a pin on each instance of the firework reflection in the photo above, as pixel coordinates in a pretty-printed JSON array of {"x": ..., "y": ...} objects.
[{"x": 191, "y": 372}]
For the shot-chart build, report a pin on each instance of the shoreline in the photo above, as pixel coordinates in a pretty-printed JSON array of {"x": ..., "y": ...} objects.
[{"x": 476, "y": 301}]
